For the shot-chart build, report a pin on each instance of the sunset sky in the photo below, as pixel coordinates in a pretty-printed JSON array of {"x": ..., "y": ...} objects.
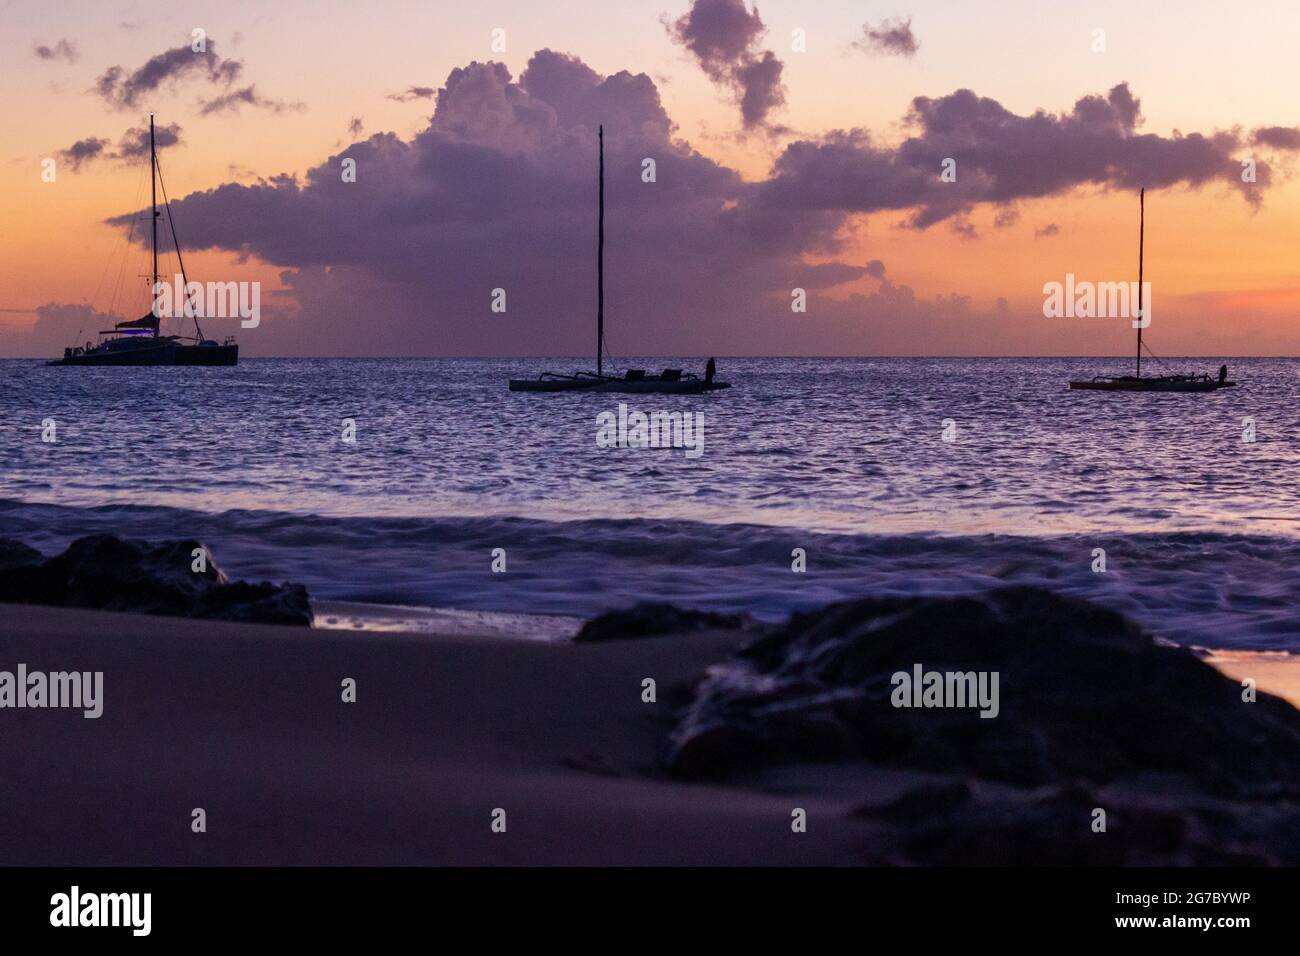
[{"x": 776, "y": 168}]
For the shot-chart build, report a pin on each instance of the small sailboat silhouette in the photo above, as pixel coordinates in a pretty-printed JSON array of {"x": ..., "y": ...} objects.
[
  {"x": 1159, "y": 383},
  {"x": 670, "y": 381},
  {"x": 139, "y": 341}
]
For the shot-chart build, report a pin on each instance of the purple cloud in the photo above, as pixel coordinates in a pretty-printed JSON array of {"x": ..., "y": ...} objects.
[
  {"x": 499, "y": 191},
  {"x": 64, "y": 50},
  {"x": 724, "y": 35},
  {"x": 83, "y": 151},
  {"x": 135, "y": 141},
  {"x": 248, "y": 96},
  {"x": 133, "y": 144},
  {"x": 1051, "y": 229},
  {"x": 1277, "y": 137},
  {"x": 1000, "y": 157},
  {"x": 1006, "y": 217},
  {"x": 893, "y": 36},
  {"x": 123, "y": 90},
  {"x": 57, "y": 326},
  {"x": 413, "y": 93}
]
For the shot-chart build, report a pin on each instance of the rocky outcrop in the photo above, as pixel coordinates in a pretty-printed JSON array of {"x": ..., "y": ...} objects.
[
  {"x": 650, "y": 619},
  {"x": 973, "y": 823},
  {"x": 109, "y": 573},
  {"x": 1083, "y": 695},
  {"x": 1092, "y": 715},
  {"x": 15, "y": 554}
]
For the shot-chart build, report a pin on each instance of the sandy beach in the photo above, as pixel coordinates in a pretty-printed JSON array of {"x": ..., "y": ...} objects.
[{"x": 247, "y": 722}]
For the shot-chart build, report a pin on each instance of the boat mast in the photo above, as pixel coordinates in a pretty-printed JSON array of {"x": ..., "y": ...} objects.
[
  {"x": 1142, "y": 205},
  {"x": 600, "y": 262},
  {"x": 153, "y": 222}
]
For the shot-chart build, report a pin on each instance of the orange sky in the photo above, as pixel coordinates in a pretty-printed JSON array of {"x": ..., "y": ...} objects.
[{"x": 1219, "y": 267}]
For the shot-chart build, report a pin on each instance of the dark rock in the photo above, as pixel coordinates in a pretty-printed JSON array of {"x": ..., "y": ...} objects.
[
  {"x": 1083, "y": 693},
  {"x": 922, "y": 803},
  {"x": 105, "y": 572},
  {"x": 15, "y": 554},
  {"x": 656, "y": 620},
  {"x": 1053, "y": 827}
]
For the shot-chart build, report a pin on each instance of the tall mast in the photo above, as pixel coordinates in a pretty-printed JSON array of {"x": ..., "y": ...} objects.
[
  {"x": 153, "y": 222},
  {"x": 1142, "y": 205},
  {"x": 600, "y": 262}
]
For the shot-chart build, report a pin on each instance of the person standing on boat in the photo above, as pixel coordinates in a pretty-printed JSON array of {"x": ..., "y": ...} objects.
[
  {"x": 709, "y": 370},
  {"x": 1223, "y": 374}
]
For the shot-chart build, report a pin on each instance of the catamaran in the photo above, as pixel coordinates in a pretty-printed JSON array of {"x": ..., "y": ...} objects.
[
  {"x": 671, "y": 381},
  {"x": 139, "y": 341},
  {"x": 1159, "y": 383}
]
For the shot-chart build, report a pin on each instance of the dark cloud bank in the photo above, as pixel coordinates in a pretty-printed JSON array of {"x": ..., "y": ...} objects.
[{"x": 500, "y": 191}]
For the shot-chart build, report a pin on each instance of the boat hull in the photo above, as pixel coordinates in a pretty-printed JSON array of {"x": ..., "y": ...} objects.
[
  {"x": 159, "y": 355},
  {"x": 622, "y": 386},
  {"x": 207, "y": 355},
  {"x": 165, "y": 353},
  {"x": 1151, "y": 385},
  {"x": 693, "y": 386}
]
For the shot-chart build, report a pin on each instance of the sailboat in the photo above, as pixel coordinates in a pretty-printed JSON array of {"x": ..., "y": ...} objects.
[
  {"x": 671, "y": 381},
  {"x": 139, "y": 341},
  {"x": 1159, "y": 383}
]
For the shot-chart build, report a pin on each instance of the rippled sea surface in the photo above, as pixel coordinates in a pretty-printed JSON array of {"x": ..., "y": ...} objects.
[
  {"x": 846, "y": 458},
  {"x": 831, "y": 445}
]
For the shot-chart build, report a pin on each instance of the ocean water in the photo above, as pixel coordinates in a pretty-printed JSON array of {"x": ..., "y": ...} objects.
[{"x": 845, "y": 458}]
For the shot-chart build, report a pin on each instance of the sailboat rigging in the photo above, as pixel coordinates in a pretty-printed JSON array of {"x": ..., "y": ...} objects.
[
  {"x": 140, "y": 341},
  {"x": 670, "y": 381},
  {"x": 1159, "y": 383}
]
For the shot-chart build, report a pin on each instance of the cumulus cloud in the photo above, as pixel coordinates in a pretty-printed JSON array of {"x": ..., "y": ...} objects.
[
  {"x": 247, "y": 96},
  {"x": 57, "y": 326},
  {"x": 1000, "y": 157},
  {"x": 724, "y": 37},
  {"x": 124, "y": 89},
  {"x": 1051, "y": 229},
  {"x": 64, "y": 50},
  {"x": 413, "y": 93},
  {"x": 893, "y": 36},
  {"x": 499, "y": 191}
]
